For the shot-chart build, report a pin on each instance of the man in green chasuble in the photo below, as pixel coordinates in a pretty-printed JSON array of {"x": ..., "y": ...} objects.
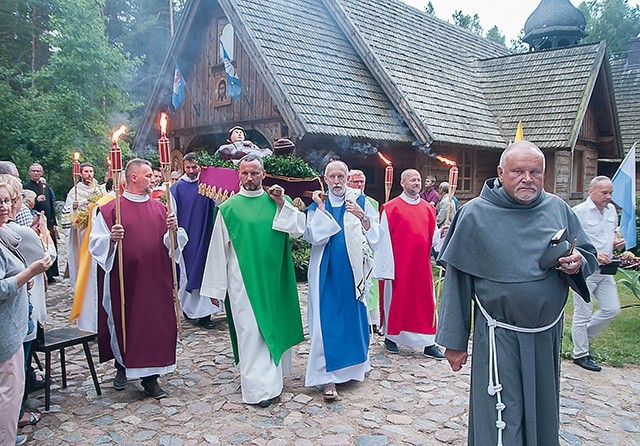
[{"x": 249, "y": 262}]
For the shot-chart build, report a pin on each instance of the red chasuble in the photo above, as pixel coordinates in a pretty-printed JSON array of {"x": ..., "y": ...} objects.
[
  {"x": 149, "y": 309},
  {"x": 411, "y": 228}
]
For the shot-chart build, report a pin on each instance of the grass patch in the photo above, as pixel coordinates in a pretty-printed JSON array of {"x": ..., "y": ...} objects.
[{"x": 618, "y": 345}]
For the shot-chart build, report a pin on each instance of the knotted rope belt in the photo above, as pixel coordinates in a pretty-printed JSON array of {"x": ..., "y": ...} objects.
[{"x": 495, "y": 387}]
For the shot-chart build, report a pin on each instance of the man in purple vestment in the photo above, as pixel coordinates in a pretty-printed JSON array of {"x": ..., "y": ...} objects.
[
  {"x": 146, "y": 348},
  {"x": 430, "y": 194},
  {"x": 195, "y": 214}
]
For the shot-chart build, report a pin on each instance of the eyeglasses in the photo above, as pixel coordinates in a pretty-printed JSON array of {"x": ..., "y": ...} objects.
[{"x": 6, "y": 201}]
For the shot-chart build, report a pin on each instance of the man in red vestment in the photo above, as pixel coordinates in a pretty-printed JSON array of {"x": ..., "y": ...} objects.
[
  {"x": 403, "y": 260},
  {"x": 150, "y": 320}
]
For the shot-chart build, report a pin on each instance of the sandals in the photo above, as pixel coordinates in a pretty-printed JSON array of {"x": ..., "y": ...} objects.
[
  {"x": 34, "y": 418},
  {"x": 330, "y": 392}
]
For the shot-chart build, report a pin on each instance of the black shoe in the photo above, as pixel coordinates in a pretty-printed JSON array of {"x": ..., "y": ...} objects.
[
  {"x": 153, "y": 389},
  {"x": 206, "y": 322},
  {"x": 120, "y": 381},
  {"x": 587, "y": 362},
  {"x": 434, "y": 352},
  {"x": 391, "y": 346},
  {"x": 37, "y": 384},
  {"x": 265, "y": 403}
]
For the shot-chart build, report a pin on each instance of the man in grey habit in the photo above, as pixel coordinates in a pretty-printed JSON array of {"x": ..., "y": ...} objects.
[{"x": 493, "y": 251}]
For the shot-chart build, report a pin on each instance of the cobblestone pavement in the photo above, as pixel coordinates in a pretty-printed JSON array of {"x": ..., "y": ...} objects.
[{"x": 407, "y": 399}]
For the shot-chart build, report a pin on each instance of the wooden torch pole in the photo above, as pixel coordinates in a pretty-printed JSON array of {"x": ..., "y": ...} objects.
[{"x": 165, "y": 163}]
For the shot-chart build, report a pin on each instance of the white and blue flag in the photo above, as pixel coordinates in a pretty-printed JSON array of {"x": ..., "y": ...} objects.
[{"x": 624, "y": 195}]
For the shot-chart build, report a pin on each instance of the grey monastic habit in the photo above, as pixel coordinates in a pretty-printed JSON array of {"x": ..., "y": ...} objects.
[{"x": 492, "y": 252}]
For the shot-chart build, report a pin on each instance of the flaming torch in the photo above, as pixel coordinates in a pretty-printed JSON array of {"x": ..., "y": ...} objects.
[
  {"x": 76, "y": 173},
  {"x": 453, "y": 184},
  {"x": 165, "y": 165},
  {"x": 115, "y": 155},
  {"x": 388, "y": 176}
]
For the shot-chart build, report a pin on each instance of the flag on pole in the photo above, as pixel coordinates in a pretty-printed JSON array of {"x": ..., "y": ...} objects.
[
  {"x": 179, "y": 88},
  {"x": 519, "y": 133},
  {"x": 624, "y": 195},
  {"x": 234, "y": 86}
]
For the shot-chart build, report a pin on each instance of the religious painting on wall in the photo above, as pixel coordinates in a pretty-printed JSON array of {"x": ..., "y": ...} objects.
[
  {"x": 220, "y": 91},
  {"x": 176, "y": 161}
]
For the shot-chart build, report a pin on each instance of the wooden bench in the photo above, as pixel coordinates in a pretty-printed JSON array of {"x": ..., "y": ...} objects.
[{"x": 59, "y": 339}]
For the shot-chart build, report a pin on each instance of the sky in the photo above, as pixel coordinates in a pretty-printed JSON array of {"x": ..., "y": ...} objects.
[{"x": 509, "y": 15}]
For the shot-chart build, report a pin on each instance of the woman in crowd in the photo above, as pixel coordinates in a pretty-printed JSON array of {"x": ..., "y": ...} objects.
[{"x": 15, "y": 277}]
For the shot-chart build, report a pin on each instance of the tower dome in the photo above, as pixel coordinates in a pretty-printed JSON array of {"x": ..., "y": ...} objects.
[{"x": 554, "y": 24}]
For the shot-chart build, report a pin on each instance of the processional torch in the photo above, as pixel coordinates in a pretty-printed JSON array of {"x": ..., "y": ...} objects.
[
  {"x": 165, "y": 164},
  {"x": 453, "y": 184},
  {"x": 76, "y": 173},
  {"x": 115, "y": 155},
  {"x": 388, "y": 176}
]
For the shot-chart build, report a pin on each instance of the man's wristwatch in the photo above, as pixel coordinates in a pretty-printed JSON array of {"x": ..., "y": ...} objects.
[{"x": 364, "y": 218}]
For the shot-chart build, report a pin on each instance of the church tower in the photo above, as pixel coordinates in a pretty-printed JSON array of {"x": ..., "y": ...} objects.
[{"x": 554, "y": 24}]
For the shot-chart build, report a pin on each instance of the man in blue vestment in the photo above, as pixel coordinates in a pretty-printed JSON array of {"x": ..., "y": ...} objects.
[{"x": 195, "y": 214}]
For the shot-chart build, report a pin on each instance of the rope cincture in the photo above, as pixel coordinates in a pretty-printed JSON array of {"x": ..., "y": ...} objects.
[{"x": 495, "y": 387}]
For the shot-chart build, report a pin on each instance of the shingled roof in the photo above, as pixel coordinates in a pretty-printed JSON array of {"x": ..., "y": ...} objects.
[
  {"x": 626, "y": 83},
  {"x": 313, "y": 72},
  {"x": 425, "y": 66},
  {"x": 547, "y": 90}
]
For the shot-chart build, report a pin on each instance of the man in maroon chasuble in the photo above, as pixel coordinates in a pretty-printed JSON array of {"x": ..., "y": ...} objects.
[
  {"x": 150, "y": 319},
  {"x": 403, "y": 260}
]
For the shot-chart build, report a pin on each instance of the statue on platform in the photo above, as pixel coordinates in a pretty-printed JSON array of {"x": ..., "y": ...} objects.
[{"x": 238, "y": 146}]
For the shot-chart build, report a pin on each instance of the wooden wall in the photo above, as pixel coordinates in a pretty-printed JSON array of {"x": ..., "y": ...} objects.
[{"x": 199, "y": 114}]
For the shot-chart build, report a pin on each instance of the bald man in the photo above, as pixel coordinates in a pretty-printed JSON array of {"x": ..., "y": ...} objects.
[
  {"x": 493, "y": 254},
  {"x": 403, "y": 260}
]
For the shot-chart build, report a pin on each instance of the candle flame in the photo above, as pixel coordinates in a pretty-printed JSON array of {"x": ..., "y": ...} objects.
[
  {"x": 385, "y": 159},
  {"x": 163, "y": 123},
  {"x": 447, "y": 161},
  {"x": 76, "y": 155},
  {"x": 118, "y": 133}
]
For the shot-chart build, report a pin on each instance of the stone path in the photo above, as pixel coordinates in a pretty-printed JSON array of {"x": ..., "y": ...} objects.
[{"x": 407, "y": 399}]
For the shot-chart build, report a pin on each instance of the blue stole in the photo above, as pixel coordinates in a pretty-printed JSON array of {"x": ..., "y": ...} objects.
[
  {"x": 195, "y": 215},
  {"x": 343, "y": 318}
]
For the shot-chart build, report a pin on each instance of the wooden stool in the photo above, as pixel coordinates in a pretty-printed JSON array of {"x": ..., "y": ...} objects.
[{"x": 59, "y": 339}]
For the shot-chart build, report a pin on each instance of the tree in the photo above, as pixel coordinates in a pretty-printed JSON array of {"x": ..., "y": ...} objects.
[
  {"x": 611, "y": 20},
  {"x": 467, "y": 21},
  {"x": 496, "y": 36},
  {"x": 80, "y": 88}
]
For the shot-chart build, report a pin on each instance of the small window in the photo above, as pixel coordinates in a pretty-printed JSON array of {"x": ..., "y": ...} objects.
[{"x": 465, "y": 172}]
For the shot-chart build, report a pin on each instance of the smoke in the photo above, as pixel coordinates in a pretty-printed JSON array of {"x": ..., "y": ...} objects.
[
  {"x": 423, "y": 148},
  {"x": 364, "y": 148},
  {"x": 115, "y": 120}
]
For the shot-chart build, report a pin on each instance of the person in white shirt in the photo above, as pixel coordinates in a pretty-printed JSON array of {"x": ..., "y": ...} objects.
[{"x": 599, "y": 220}]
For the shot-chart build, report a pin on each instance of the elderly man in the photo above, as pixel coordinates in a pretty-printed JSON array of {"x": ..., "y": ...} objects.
[
  {"x": 149, "y": 349},
  {"x": 250, "y": 262},
  {"x": 493, "y": 254},
  {"x": 599, "y": 220},
  {"x": 403, "y": 260},
  {"x": 238, "y": 146},
  {"x": 356, "y": 179},
  {"x": 78, "y": 199},
  {"x": 45, "y": 201},
  {"x": 430, "y": 194},
  {"x": 195, "y": 214},
  {"x": 446, "y": 206},
  {"x": 342, "y": 231}
]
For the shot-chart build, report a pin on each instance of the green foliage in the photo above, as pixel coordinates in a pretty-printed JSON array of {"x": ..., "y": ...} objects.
[
  {"x": 288, "y": 166},
  {"x": 517, "y": 45},
  {"x": 611, "y": 20},
  {"x": 631, "y": 280},
  {"x": 301, "y": 252},
  {"x": 74, "y": 99},
  {"x": 468, "y": 21},
  {"x": 207, "y": 159},
  {"x": 496, "y": 36}
]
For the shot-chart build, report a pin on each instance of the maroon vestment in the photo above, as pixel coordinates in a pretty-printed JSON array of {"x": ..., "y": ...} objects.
[
  {"x": 149, "y": 309},
  {"x": 411, "y": 228}
]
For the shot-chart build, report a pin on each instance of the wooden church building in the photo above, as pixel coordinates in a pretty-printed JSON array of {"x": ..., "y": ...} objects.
[{"x": 349, "y": 78}]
